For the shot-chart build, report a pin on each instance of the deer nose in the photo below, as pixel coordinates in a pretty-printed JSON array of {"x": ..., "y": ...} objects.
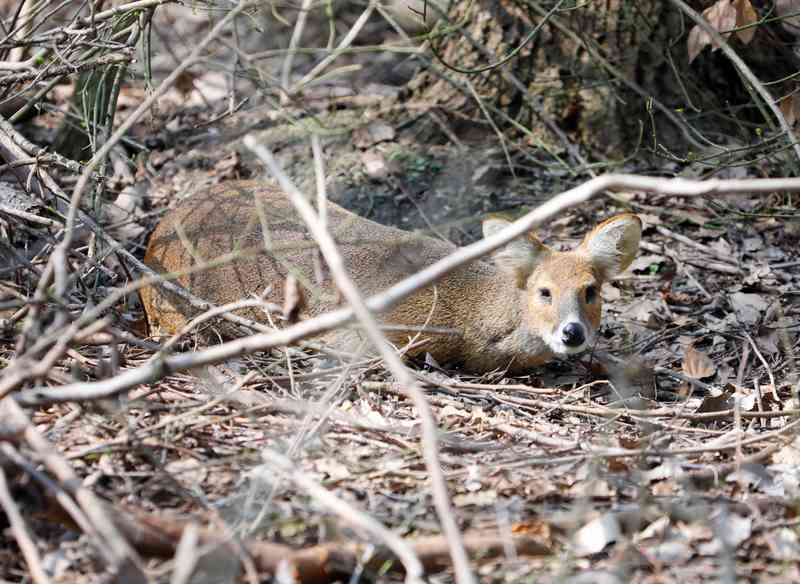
[{"x": 572, "y": 334}]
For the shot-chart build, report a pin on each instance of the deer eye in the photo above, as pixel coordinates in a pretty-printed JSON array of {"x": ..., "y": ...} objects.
[
  {"x": 545, "y": 294},
  {"x": 591, "y": 294}
]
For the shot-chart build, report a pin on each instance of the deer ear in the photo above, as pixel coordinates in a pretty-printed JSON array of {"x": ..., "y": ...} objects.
[
  {"x": 612, "y": 245},
  {"x": 519, "y": 257}
]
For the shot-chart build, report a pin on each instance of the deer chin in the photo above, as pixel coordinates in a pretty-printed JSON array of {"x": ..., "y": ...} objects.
[{"x": 559, "y": 348}]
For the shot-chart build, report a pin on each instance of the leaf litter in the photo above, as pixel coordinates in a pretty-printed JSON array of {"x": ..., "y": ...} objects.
[
  {"x": 631, "y": 455},
  {"x": 613, "y": 455}
]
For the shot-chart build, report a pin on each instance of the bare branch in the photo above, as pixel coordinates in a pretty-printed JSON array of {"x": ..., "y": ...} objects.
[
  {"x": 353, "y": 296},
  {"x": 352, "y": 515},
  {"x": 148, "y": 373}
]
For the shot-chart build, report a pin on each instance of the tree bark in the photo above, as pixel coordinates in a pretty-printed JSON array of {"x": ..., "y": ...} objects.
[{"x": 612, "y": 77}]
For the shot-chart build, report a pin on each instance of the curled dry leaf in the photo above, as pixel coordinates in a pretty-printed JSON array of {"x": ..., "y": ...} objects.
[
  {"x": 697, "y": 364},
  {"x": 722, "y": 17}
]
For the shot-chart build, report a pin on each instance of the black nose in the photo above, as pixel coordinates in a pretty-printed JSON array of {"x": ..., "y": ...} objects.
[{"x": 572, "y": 334}]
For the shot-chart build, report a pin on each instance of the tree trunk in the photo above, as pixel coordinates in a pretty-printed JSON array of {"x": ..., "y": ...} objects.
[{"x": 611, "y": 77}]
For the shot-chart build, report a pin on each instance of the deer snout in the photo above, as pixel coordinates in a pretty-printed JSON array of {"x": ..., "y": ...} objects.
[{"x": 573, "y": 334}]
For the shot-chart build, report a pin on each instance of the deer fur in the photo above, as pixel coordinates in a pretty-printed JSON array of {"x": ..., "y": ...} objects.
[{"x": 514, "y": 310}]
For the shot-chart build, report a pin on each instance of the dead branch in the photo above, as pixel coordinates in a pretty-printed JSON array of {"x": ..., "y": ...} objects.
[
  {"x": 744, "y": 70},
  {"x": 158, "y": 536},
  {"x": 151, "y": 372},
  {"x": 609, "y": 412},
  {"x": 355, "y": 517},
  {"x": 393, "y": 362},
  {"x": 21, "y": 533},
  {"x": 109, "y": 542},
  {"x": 122, "y": 57}
]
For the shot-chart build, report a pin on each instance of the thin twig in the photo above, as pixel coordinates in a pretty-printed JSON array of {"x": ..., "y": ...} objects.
[
  {"x": 21, "y": 533},
  {"x": 766, "y": 366},
  {"x": 744, "y": 70},
  {"x": 297, "y": 33},
  {"x": 343, "y": 45},
  {"x": 122, "y": 9},
  {"x": 144, "y": 107},
  {"x": 122, "y": 57},
  {"x": 110, "y": 543},
  {"x": 353, "y": 296},
  {"x": 148, "y": 373},
  {"x": 696, "y": 245},
  {"x": 354, "y": 516}
]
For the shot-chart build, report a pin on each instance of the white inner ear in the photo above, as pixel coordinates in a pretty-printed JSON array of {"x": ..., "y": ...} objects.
[
  {"x": 519, "y": 257},
  {"x": 614, "y": 244}
]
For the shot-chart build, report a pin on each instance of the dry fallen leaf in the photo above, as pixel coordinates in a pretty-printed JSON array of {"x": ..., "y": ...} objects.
[
  {"x": 733, "y": 529},
  {"x": 185, "y": 83},
  {"x": 722, "y": 17},
  {"x": 611, "y": 293},
  {"x": 721, "y": 246},
  {"x": 633, "y": 377},
  {"x": 644, "y": 311},
  {"x": 716, "y": 402},
  {"x": 745, "y": 15},
  {"x": 783, "y": 545},
  {"x": 697, "y": 364},
  {"x": 790, "y": 108},
  {"x": 593, "y": 537},
  {"x": 644, "y": 262},
  {"x": 748, "y": 307},
  {"x": 789, "y": 455}
]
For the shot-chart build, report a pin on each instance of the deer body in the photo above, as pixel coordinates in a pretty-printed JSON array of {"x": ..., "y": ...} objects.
[{"x": 495, "y": 313}]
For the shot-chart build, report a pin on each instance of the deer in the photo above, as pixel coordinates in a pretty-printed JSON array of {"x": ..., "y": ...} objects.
[{"x": 516, "y": 310}]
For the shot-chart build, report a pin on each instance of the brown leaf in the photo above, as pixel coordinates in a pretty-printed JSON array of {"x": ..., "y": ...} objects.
[
  {"x": 722, "y": 17},
  {"x": 633, "y": 377},
  {"x": 745, "y": 15},
  {"x": 698, "y": 39},
  {"x": 293, "y": 299},
  {"x": 185, "y": 82},
  {"x": 716, "y": 402},
  {"x": 697, "y": 364},
  {"x": 790, "y": 108},
  {"x": 618, "y": 465}
]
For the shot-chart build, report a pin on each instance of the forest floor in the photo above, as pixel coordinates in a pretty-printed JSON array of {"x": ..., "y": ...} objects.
[{"x": 670, "y": 453}]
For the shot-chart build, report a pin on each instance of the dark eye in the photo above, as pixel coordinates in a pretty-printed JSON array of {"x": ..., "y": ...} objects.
[
  {"x": 545, "y": 294},
  {"x": 591, "y": 294}
]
